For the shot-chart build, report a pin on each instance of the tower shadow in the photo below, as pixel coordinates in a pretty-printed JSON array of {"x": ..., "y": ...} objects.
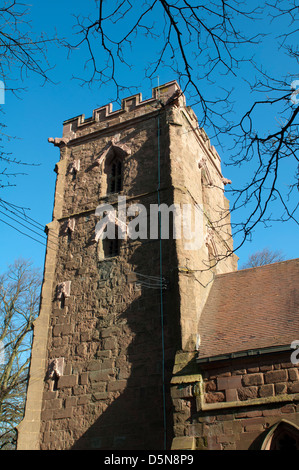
[{"x": 136, "y": 411}]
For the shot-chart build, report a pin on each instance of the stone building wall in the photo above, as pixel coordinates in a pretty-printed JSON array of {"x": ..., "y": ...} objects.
[
  {"x": 232, "y": 405},
  {"x": 198, "y": 181},
  {"x": 109, "y": 330}
]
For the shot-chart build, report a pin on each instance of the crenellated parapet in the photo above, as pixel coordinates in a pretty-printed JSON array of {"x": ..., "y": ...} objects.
[{"x": 133, "y": 106}]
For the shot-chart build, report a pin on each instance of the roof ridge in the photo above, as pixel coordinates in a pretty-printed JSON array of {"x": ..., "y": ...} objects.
[{"x": 265, "y": 266}]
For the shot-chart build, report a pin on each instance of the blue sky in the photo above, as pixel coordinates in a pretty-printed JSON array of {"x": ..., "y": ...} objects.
[{"x": 39, "y": 114}]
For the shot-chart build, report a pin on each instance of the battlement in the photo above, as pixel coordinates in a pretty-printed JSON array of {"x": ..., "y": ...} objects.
[
  {"x": 133, "y": 107},
  {"x": 164, "y": 93}
]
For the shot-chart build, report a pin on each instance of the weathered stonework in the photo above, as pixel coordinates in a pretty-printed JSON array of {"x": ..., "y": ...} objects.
[
  {"x": 117, "y": 331},
  {"x": 155, "y": 344},
  {"x": 234, "y": 404}
]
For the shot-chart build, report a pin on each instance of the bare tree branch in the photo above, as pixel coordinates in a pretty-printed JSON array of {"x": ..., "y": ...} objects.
[
  {"x": 22, "y": 52},
  {"x": 263, "y": 257},
  {"x": 19, "y": 305}
]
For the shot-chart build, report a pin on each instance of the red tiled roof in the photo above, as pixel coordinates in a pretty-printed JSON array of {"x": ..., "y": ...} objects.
[{"x": 250, "y": 309}]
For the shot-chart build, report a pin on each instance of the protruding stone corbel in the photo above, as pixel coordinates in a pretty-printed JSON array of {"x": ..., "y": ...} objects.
[
  {"x": 56, "y": 367},
  {"x": 201, "y": 162},
  {"x": 210, "y": 241},
  {"x": 75, "y": 167},
  {"x": 59, "y": 141},
  {"x": 226, "y": 181},
  {"x": 64, "y": 290},
  {"x": 69, "y": 226},
  {"x": 175, "y": 99},
  {"x": 209, "y": 236},
  {"x": 202, "y": 165}
]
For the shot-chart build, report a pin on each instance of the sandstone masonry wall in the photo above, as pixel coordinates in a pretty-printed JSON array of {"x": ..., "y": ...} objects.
[
  {"x": 110, "y": 333},
  {"x": 234, "y": 404}
]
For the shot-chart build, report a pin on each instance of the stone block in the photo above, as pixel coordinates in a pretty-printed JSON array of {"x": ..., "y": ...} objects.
[
  {"x": 63, "y": 413},
  {"x": 50, "y": 395},
  {"x": 266, "y": 368},
  {"x": 100, "y": 375},
  {"x": 117, "y": 386},
  {"x": 293, "y": 387},
  {"x": 67, "y": 381},
  {"x": 286, "y": 365},
  {"x": 195, "y": 429},
  {"x": 100, "y": 396},
  {"x": 110, "y": 343},
  {"x": 124, "y": 373},
  {"x": 84, "y": 399},
  {"x": 78, "y": 390},
  {"x": 226, "y": 417},
  {"x": 228, "y": 438},
  {"x": 239, "y": 372},
  {"x": 280, "y": 388},
  {"x": 67, "y": 369},
  {"x": 247, "y": 393},
  {"x": 254, "y": 414},
  {"x": 258, "y": 420},
  {"x": 46, "y": 415},
  {"x": 183, "y": 443},
  {"x": 293, "y": 374},
  {"x": 289, "y": 408},
  {"x": 94, "y": 365},
  {"x": 275, "y": 376},
  {"x": 253, "y": 379},
  {"x": 182, "y": 392},
  {"x": 210, "y": 386},
  {"x": 224, "y": 383},
  {"x": 70, "y": 401},
  {"x": 53, "y": 436},
  {"x": 254, "y": 428},
  {"x": 275, "y": 412},
  {"x": 213, "y": 444},
  {"x": 107, "y": 364},
  {"x": 266, "y": 391},
  {"x": 53, "y": 404},
  {"x": 84, "y": 378},
  {"x": 231, "y": 394},
  {"x": 110, "y": 332},
  {"x": 214, "y": 397},
  {"x": 65, "y": 329},
  {"x": 98, "y": 386}
]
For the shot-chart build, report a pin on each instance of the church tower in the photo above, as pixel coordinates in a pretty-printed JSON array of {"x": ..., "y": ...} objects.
[{"x": 115, "y": 310}]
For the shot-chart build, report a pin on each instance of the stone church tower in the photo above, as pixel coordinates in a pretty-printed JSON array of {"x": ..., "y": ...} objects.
[{"x": 115, "y": 313}]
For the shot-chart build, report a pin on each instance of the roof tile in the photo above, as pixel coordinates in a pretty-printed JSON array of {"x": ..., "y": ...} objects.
[{"x": 251, "y": 308}]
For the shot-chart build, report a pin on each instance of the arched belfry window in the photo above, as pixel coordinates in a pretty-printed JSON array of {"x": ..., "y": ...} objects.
[
  {"x": 282, "y": 436},
  {"x": 115, "y": 175},
  {"x": 112, "y": 159},
  {"x": 111, "y": 248}
]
